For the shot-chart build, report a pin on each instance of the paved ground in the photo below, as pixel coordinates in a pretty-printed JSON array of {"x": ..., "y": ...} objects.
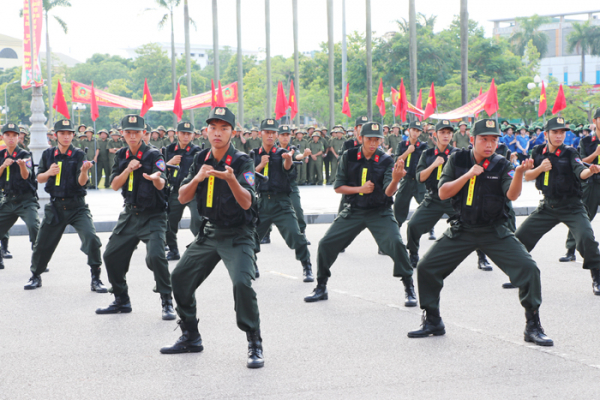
[{"x": 353, "y": 346}]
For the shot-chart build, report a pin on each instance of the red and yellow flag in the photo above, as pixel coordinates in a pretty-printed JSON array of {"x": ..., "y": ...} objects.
[
  {"x": 543, "y": 102},
  {"x": 346, "y": 104},
  {"x": 147, "y": 100},
  {"x": 293, "y": 102},
  {"x": 380, "y": 99},
  {"x": 431, "y": 102}
]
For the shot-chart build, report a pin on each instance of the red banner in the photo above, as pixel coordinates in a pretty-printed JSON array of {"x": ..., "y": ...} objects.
[
  {"x": 32, "y": 70},
  {"x": 471, "y": 108},
  {"x": 411, "y": 108},
  {"x": 81, "y": 93}
]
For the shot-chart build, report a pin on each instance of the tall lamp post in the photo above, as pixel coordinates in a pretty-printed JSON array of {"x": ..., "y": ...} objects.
[{"x": 78, "y": 107}]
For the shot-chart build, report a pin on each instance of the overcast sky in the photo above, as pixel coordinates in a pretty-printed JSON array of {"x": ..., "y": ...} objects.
[{"x": 110, "y": 26}]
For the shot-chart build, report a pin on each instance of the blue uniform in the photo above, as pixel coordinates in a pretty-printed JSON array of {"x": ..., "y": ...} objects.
[
  {"x": 569, "y": 136},
  {"x": 507, "y": 141},
  {"x": 524, "y": 142}
]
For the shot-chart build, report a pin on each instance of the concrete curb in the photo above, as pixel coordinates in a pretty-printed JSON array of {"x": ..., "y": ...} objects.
[{"x": 107, "y": 226}]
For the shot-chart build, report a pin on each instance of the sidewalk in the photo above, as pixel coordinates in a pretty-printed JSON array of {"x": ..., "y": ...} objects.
[{"x": 320, "y": 204}]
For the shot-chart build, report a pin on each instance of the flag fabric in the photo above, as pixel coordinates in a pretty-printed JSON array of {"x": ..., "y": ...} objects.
[
  {"x": 491, "y": 102},
  {"x": 94, "y": 109},
  {"x": 147, "y": 100},
  {"x": 346, "y": 104},
  {"x": 281, "y": 105},
  {"x": 220, "y": 98},
  {"x": 560, "y": 103},
  {"x": 480, "y": 93},
  {"x": 380, "y": 99},
  {"x": 402, "y": 104},
  {"x": 177, "y": 109},
  {"x": 543, "y": 103},
  {"x": 292, "y": 102},
  {"x": 60, "y": 104},
  {"x": 431, "y": 102},
  {"x": 420, "y": 103},
  {"x": 213, "y": 97}
]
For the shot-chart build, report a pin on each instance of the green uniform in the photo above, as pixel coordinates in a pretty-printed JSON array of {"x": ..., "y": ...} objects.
[
  {"x": 143, "y": 219},
  {"x": 432, "y": 208},
  {"x": 590, "y": 188},
  {"x": 562, "y": 203},
  {"x": 227, "y": 236},
  {"x": 166, "y": 142},
  {"x": 103, "y": 165},
  {"x": 19, "y": 197},
  {"x": 462, "y": 141},
  {"x": 369, "y": 211},
  {"x": 204, "y": 142},
  {"x": 175, "y": 207},
  {"x": 480, "y": 224},
  {"x": 337, "y": 145},
  {"x": 23, "y": 146},
  {"x": 111, "y": 156},
  {"x": 295, "y": 197},
  {"x": 393, "y": 141},
  {"x": 409, "y": 187},
  {"x": 237, "y": 143},
  {"x": 91, "y": 153},
  {"x": 326, "y": 156},
  {"x": 197, "y": 142},
  {"x": 301, "y": 168},
  {"x": 67, "y": 206},
  {"x": 315, "y": 167},
  {"x": 157, "y": 143},
  {"x": 252, "y": 144}
]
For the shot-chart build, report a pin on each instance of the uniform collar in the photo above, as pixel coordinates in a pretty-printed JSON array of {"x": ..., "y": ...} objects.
[
  {"x": 263, "y": 151},
  {"x": 557, "y": 153},
  {"x": 68, "y": 153},
  {"x": 226, "y": 159},
  {"x": 140, "y": 152},
  {"x": 439, "y": 151},
  {"x": 486, "y": 161},
  {"x": 187, "y": 149},
  {"x": 14, "y": 153},
  {"x": 376, "y": 156}
]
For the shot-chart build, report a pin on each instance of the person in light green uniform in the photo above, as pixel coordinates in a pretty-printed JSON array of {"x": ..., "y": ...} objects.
[
  {"x": 89, "y": 141},
  {"x": 461, "y": 139},
  {"x": 301, "y": 144},
  {"x": 315, "y": 160},
  {"x": 393, "y": 139},
  {"x": 103, "y": 165},
  {"x": 238, "y": 141},
  {"x": 169, "y": 139},
  {"x": 479, "y": 182},
  {"x": 368, "y": 177},
  {"x": 558, "y": 174},
  {"x": 337, "y": 145},
  {"x": 155, "y": 140}
]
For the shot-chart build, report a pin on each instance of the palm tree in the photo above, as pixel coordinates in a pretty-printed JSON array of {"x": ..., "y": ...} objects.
[
  {"x": 527, "y": 28},
  {"x": 585, "y": 37}
]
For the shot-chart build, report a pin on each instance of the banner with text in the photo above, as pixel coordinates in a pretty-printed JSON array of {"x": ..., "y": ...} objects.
[{"x": 32, "y": 70}]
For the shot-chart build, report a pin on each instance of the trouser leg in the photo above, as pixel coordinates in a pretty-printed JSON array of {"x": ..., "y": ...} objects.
[
  {"x": 334, "y": 167},
  {"x": 591, "y": 199},
  {"x": 421, "y": 222},
  {"x": 580, "y": 226},
  {"x": 319, "y": 169},
  {"x": 403, "y": 198},
  {"x": 286, "y": 222},
  {"x": 195, "y": 218},
  {"x": 339, "y": 236},
  {"x": 29, "y": 214},
  {"x": 174, "y": 217},
  {"x": 81, "y": 220},
  {"x": 535, "y": 226},
  {"x": 46, "y": 242},
  {"x": 156, "y": 261},
  {"x": 383, "y": 227},
  {"x": 117, "y": 257},
  {"x": 295, "y": 198}
]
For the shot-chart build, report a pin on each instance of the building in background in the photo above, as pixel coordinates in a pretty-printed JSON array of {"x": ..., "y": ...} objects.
[
  {"x": 558, "y": 61},
  {"x": 11, "y": 52}
]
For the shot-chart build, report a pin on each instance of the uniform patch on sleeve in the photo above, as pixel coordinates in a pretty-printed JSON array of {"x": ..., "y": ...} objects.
[
  {"x": 579, "y": 161},
  {"x": 511, "y": 173},
  {"x": 249, "y": 176},
  {"x": 160, "y": 164},
  {"x": 28, "y": 163}
]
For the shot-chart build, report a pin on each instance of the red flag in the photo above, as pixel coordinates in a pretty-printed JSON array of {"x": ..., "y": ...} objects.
[
  {"x": 281, "y": 105},
  {"x": 380, "y": 99},
  {"x": 147, "y": 100},
  {"x": 402, "y": 104},
  {"x": 60, "y": 104},
  {"x": 560, "y": 103},
  {"x": 346, "y": 104},
  {"x": 420, "y": 103},
  {"x": 543, "y": 103},
  {"x": 431, "y": 102},
  {"x": 213, "y": 98},
  {"x": 220, "y": 98},
  {"x": 292, "y": 102},
  {"x": 177, "y": 109},
  {"x": 491, "y": 102},
  {"x": 94, "y": 108}
]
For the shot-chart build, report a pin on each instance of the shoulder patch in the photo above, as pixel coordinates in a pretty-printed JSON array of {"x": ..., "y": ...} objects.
[
  {"x": 160, "y": 164},
  {"x": 249, "y": 177},
  {"x": 511, "y": 173},
  {"x": 577, "y": 159},
  {"x": 28, "y": 163}
]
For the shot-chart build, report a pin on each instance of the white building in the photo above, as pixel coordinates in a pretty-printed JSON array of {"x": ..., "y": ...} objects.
[
  {"x": 11, "y": 52},
  {"x": 198, "y": 52},
  {"x": 558, "y": 61}
]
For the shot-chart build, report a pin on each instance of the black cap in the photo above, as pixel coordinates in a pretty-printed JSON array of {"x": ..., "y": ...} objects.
[
  {"x": 284, "y": 129},
  {"x": 10, "y": 127},
  {"x": 185, "y": 126},
  {"x": 269, "y": 124},
  {"x": 597, "y": 113},
  {"x": 556, "y": 124},
  {"x": 416, "y": 125},
  {"x": 64, "y": 125},
  {"x": 361, "y": 121},
  {"x": 133, "y": 122},
  {"x": 371, "y": 129},
  {"x": 223, "y": 114},
  {"x": 486, "y": 127},
  {"x": 442, "y": 124}
]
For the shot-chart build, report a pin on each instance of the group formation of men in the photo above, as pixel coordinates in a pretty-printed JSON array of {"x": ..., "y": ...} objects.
[{"x": 236, "y": 196}]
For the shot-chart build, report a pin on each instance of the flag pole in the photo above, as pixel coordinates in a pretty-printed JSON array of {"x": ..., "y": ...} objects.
[{"x": 96, "y": 164}]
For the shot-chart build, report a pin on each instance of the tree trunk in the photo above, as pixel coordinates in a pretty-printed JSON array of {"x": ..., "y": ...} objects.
[
  {"x": 464, "y": 51},
  {"x": 296, "y": 60},
  {"x": 173, "y": 72},
  {"x": 331, "y": 66},
  {"x": 188, "y": 62},
  {"x": 49, "y": 71},
  {"x": 369, "y": 64},
  {"x": 412, "y": 53},
  {"x": 268, "y": 59},
  {"x": 215, "y": 41},
  {"x": 240, "y": 63}
]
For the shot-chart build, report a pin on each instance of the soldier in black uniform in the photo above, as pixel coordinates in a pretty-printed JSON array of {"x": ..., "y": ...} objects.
[
  {"x": 139, "y": 171},
  {"x": 180, "y": 153},
  {"x": 274, "y": 203},
  {"x": 64, "y": 170},
  {"x": 222, "y": 181},
  {"x": 18, "y": 186},
  {"x": 368, "y": 177}
]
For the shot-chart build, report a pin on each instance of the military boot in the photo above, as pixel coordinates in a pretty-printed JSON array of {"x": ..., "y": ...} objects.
[
  {"x": 432, "y": 234},
  {"x": 534, "y": 332},
  {"x": 266, "y": 239},
  {"x": 5, "y": 252},
  {"x": 34, "y": 282},
  {"x": 97, "y": 285},
  {"x": 255, "y": 350},
  {"x": 190, "y": 340},
  {"x": 173, "y": 254},
  {"x": 307, "y": 271},
  {"x": 410, "y": 298},
  {"x": 570, "y": 256},
  {"x": 122, "y": 304},
  {"x": 483, "y": 263},
  {"x": 431, "y": 324},
  {"x": 319, "y": 293},
  {"x": 256, "y": 271},
  {"x": 414, "y": 259},
  {"x": 1, "y": 261},
  {"x": 168, "y": 313},
  {"x": 596, "y": 281}
]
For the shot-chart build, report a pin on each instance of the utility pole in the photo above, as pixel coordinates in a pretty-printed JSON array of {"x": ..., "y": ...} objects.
[
  {"x": 331, "y": 64},
  {"x": 215, "y": 41},
  {"x": 188, "y": 63},
  {"x": 344, "y": 49},
  {"x": 369, "y": 65},
  {"x": 268, "y": 48},
  {"x": 240, "y": 63},
  {"x": 412, "y": 53},
  {"x": 296, "y": 61},
  {"x": 464, "y": 51}
]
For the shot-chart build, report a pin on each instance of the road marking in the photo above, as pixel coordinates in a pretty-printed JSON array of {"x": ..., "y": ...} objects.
[{"x": 283, "y": 275}]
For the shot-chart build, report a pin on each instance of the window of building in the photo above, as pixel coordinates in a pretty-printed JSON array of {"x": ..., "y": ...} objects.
[
  {"x": 8, "y": 53},
  {"x": 192, "y": 54},
  {"x": 566, "y": 75}
]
